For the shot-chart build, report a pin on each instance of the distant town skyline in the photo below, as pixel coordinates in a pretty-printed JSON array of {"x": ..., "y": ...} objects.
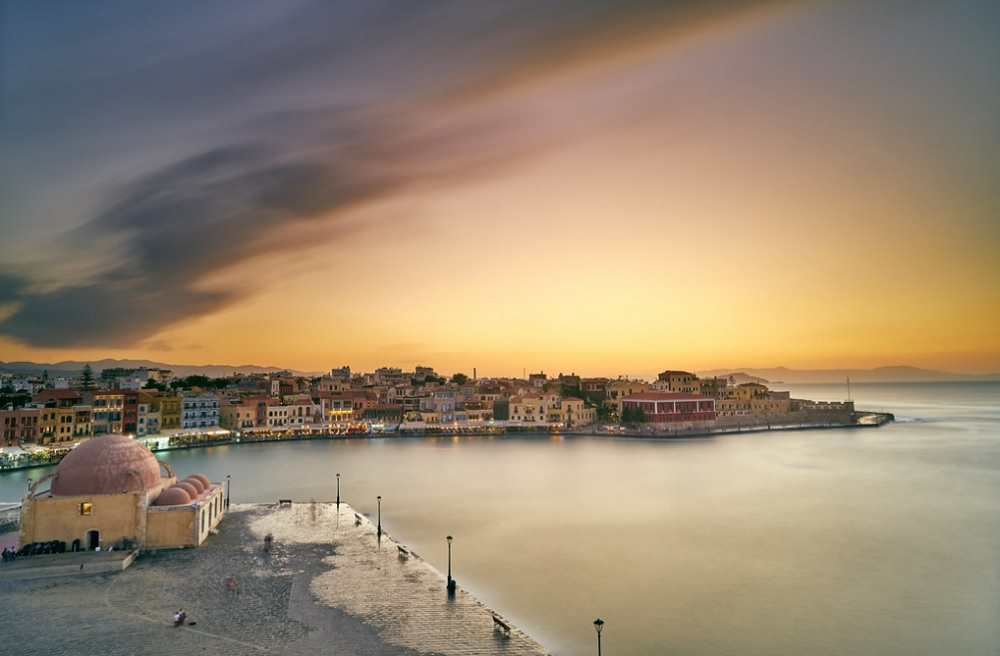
[{"x": 562, "y": 186}]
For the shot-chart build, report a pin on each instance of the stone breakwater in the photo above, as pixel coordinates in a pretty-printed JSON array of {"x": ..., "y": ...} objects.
[{"x": 327, "y": 586}]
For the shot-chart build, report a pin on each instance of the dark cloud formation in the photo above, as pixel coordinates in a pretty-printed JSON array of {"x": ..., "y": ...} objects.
[{"x": 309, "y": 111}]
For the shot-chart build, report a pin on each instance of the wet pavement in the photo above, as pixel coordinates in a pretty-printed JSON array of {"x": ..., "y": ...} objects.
[{"x": 328, "y": 586}]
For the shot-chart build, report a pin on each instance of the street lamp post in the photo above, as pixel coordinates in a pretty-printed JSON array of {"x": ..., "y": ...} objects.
[
  {"x": 338, "y": 491},
  {"x": 451, "y": 581},
  {"x": 379, "y": 499},
  {"x": 30, "y": 481},
  {"x": 598, "y": 624},
  {"x": 228, "y": 483}
]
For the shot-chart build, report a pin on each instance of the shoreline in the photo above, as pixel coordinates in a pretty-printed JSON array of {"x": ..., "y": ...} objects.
[{"x": 645, "y": 431}]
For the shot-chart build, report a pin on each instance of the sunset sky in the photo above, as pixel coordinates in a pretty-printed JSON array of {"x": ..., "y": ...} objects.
[{"x": 562, "y": 185}]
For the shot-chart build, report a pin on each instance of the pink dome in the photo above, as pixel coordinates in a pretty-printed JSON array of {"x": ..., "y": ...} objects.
[
  {"x": 196, "y": 482},
  {"x": 173, "y": 496},
  {"x": 204, "y": 480},
  {"x": 102, "y": 465},
  {"x": 190, "y": 489}
]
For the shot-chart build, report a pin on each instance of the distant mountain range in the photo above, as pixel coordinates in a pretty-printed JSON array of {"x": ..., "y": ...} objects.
[
  {"x": 877, "y": 375},
  {"x": 72, "y": 368}
]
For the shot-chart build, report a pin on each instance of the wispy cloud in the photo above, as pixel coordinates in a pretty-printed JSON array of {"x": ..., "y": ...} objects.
[{"x": 317, "y": 110}]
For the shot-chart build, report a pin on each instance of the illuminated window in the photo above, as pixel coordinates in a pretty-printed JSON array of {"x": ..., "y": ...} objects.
[{"x": 86, "y": 508}]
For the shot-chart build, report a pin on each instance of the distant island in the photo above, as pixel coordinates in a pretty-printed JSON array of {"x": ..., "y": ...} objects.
[{"x": 898, "y": 374}]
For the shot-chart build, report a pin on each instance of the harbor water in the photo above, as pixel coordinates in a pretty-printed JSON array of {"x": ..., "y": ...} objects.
[{"x": 824, "y": 542}]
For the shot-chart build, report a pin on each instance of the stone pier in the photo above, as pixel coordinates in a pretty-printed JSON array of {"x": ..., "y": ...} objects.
[{"x": 327, "y": 586}]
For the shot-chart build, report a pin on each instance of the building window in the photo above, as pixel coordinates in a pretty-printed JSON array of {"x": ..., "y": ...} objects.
[{"x": 86, "y": 508}]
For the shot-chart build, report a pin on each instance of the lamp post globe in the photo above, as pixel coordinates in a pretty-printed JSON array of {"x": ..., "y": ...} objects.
[{"x": 598, "y": 625}]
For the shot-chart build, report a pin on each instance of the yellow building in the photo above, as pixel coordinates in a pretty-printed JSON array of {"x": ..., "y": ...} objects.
[
  {"x": 60, "y": 425},
  {"x": 111, "y": 491},
  {"x": 768, "y": 406},
  {"x": 574, "y": 412},
  {"x": 169, "y": 407}
]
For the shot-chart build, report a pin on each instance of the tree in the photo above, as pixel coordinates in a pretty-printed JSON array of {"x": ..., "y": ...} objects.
[
  {"x": 87, "y": 378},
  {"x": 153, "y": 384},
  {"x": 632, "y": 416},
  {"x": 460, "y": 379}
]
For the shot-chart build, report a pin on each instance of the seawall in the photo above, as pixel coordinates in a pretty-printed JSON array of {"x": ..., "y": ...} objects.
[{"x": 328, "y": 585}]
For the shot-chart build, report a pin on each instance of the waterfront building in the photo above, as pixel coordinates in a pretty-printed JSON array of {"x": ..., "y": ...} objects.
[
  {"x": 200, "y": 411},
  {"x": 361, "y": 400},
  {"x": 111, "y": 491},
  {"x": 337, "y": 408},
  {"x": 733, "y": 407},
  {"x": 533, "y": 408},
  {"x": 767, "y": 406},
  {"x": 236, "y": 416},
  {"x": 277, "y": 416},
  {"x": 384, "y": 413},
  {"x": 19, "y": 426},
  {"x": 441, "y": 401},
  {"x": 169, "y": 408},
  {"x": 670, "y": 407},
  {"x": 572, "y": 412},
  {"x": 148, "y": 421},
  {"x": 55, "y": 425},
  {"x": 108, "y": 408},
  {"x": 303, "y": 412}
]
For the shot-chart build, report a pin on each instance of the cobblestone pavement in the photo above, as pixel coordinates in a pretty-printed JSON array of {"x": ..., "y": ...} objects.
[{"x": 328, "y": 586}]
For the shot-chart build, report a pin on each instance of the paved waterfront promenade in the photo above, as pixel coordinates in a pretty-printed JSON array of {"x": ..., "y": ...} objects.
[{"x": 328, "y": 586}]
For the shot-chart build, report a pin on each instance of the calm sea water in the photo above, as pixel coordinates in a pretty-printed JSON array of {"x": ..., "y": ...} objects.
[{"x": 828, "y": 542}]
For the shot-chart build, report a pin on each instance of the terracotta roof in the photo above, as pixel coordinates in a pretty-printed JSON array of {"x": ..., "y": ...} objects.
[
  {"x": 666, "y": 396},
  {"x": 102, "y": 465}
]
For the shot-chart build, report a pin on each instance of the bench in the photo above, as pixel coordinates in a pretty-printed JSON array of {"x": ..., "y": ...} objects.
[
  {"x": 500, "y": 625},
  {"x": 403, "y": 551},
  {"x": 357, "y": 519},
  {"x": 284, "y": 502}
]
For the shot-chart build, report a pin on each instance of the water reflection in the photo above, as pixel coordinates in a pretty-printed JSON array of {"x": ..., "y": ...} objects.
[{"x": 880, "y": 541}]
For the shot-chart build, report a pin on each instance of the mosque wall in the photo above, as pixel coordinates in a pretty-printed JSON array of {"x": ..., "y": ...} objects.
[
  {"x": 170, "y": 526},
  {"x": 73, "y": 517}
]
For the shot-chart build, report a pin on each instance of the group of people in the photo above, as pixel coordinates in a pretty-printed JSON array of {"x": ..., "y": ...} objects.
[
  {"x": 9, "y": 554},
  {"x": 179, "y": 617}
]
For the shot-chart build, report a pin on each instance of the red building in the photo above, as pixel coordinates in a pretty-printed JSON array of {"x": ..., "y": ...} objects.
[
  {"x": 664, "y": 407},
  {"x": 18, "y": 426}
]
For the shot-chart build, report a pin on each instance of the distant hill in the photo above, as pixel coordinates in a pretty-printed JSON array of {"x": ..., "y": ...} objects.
[
  {"x": 900, "y": 374},
  {"x": 71, "y": 368}
]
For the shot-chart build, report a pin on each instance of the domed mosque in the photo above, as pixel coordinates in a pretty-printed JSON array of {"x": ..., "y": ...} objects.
[{"x": 111, "y": 491}]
